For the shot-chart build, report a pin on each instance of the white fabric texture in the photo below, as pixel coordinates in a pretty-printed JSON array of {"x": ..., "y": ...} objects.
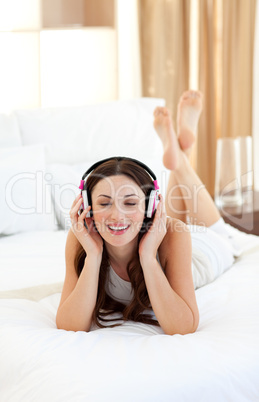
[
  {"x": 213, "y": 252},
  {"x": 9, "y": 131},
  {"x": 75, "y": 135},
  {"x": 25, "y": 200},
  {"x": 117, "y": 288},
  {"x": 64, "y": 180},
  {"x": 40, "y": 363},
  {"x": 32, "y": 259}
]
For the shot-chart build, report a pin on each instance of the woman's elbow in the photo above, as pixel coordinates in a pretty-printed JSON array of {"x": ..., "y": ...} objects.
[
  {"x": 74, "y": 328},
  {"x": 68, "y": 325},
  {"x": 186, "y": 328}
]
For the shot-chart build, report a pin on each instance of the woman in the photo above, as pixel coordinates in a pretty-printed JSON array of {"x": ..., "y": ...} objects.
[{"x": 114, "y": 256}]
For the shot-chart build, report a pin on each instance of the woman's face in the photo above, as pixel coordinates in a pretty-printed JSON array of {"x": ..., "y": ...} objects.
[{"x": 118, "y": 205}]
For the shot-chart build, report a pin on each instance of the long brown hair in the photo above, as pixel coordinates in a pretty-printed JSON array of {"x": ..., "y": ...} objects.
[{"x": 105, "y": 304}]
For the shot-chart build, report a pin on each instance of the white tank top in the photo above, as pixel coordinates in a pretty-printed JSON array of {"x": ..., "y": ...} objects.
[{"x": 117, "y": 288}]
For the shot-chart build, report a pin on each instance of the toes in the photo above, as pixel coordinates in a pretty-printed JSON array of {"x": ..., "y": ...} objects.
[
  {"x": 191, "y": 94},
  {"x": 191, "y": 98},
  {"x": 156, "y": 111},
  {"x": 161, "y": 110},
  {"x": 195, "y": 94}
]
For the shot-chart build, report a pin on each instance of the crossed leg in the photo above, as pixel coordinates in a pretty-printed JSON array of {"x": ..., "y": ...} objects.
[{"x": 187, "y": 198}]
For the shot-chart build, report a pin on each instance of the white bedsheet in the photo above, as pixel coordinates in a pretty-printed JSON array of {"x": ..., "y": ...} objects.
[
  {"x": 31, "y": 259},
  {"x": 133, "y": 362}
]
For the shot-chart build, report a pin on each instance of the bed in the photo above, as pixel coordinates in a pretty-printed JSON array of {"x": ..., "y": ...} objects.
[{"x": 134, "y": 361}]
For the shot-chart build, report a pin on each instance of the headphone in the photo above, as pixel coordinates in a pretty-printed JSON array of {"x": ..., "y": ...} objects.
[{"x": 153, "y": 197}]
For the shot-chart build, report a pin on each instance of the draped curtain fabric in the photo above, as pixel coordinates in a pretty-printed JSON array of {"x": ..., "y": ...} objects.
[
  {"x": 210, "y": 72},
  {"x": 225, "y": 64},
  {"x": 164, "y": 38},
  {"x": 226, "y": 45},
  {"x": 256, "y": 101},
  {"x": 237, "y": 68}
]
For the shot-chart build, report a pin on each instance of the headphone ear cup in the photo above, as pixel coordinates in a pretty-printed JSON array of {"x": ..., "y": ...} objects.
[
  {"x": 150, "y": 206},
  {"x": 152, "y": 203},
  {"x": 86, "y": 204},
  {"x": 89, "y": 199}
]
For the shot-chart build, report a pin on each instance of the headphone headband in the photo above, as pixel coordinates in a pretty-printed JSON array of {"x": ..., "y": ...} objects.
[
  {"x": 152, "y": 200},
  {"x": 120, "y": 158}
]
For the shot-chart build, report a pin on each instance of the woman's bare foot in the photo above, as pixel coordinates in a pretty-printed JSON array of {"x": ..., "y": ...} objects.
[
  {"x": 164, "y": 128},
  {"x": 188, "y": 114}
]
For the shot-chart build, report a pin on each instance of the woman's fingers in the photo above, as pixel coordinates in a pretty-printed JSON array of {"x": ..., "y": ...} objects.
[
  {"x": 159, "y": 207},
  {"x": 74, "y": 217},
  {"x": 160, "y": 216},
  {"x": 75, "y": 208},
  {"x": 82, "y": 216},
  {"x": 79, "y": 196},
  {"x": 77, "y": 202}
]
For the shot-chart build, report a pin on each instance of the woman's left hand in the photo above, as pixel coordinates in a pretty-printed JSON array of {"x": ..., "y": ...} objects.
[{"x": 151, "y": 240}]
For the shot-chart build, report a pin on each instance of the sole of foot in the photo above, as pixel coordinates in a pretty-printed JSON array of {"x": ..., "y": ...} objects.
[
  {"x": 188, "y": 114},
  {"x": 165, "y": 130}
]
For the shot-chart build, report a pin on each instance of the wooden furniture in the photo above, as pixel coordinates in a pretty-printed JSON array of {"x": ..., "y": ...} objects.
[
  {"x": 78, "y": 13},
  {"x": 244, "y": 217}
]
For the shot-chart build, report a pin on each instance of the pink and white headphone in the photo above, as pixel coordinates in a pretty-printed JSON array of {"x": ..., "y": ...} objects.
[{"x": 153, "y": 197}]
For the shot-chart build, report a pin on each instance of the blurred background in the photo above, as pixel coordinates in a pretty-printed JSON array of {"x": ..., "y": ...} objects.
[{"x": 80, "y": 52}]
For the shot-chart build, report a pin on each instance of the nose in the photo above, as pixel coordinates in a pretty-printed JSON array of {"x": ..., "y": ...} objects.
[{"x": 117, "y": 213}]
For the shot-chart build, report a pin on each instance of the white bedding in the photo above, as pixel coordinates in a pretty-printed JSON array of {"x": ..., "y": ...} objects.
[{"x": 133, "y": 362}]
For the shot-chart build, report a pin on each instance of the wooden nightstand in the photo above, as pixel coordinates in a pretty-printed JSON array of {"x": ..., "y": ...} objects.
[{"x": 244, "y": 217}]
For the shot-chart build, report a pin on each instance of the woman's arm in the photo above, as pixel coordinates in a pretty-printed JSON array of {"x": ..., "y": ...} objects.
[
  {"x": 171, "y": 293},
  {"x": 79, "y": 294}
]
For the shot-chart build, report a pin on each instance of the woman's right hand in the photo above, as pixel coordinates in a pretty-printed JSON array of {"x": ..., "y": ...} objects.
[{"x": 89, "y": 238}]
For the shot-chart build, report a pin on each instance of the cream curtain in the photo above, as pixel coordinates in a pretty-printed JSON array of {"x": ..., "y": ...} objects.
[
  {"x": 256, "y": 102},
  {"x": 237, "y": 67},
  {"x": 209, "y": 72},
  {"x": 164, "y": 33},
  {"x": 226, "y": 73},
  {"x": 226, "y": 32}
]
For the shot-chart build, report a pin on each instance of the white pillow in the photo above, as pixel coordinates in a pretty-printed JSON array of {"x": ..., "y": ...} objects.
[
  {"x": 64, "y": 180},
  {"x": 25, "y": 200},
  {"x": 78, "y": 134},
  {"x": 9, "y": 131}
]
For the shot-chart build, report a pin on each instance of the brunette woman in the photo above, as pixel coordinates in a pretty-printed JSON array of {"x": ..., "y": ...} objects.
[{"x": 123, "y": 264}]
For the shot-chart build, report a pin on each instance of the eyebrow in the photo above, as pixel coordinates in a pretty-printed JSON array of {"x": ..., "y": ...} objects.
[{"x": 126, "y": 196}]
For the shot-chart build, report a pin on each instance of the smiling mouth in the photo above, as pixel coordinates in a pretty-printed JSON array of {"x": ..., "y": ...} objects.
[{"x": 118, "y": 229}]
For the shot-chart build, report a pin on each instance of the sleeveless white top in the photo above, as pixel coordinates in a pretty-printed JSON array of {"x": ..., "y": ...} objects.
[{"x": 117, "y": 288}]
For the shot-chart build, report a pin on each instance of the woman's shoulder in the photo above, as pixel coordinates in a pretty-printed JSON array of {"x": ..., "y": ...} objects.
[
  {"x": 175, "y": 230},
  {"x": 174, "y": 226}
]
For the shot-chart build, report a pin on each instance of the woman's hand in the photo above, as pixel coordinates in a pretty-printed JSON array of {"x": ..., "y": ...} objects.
[
  {"x": 89, "y": 238},
  {"x": 151, "y": 240}
]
